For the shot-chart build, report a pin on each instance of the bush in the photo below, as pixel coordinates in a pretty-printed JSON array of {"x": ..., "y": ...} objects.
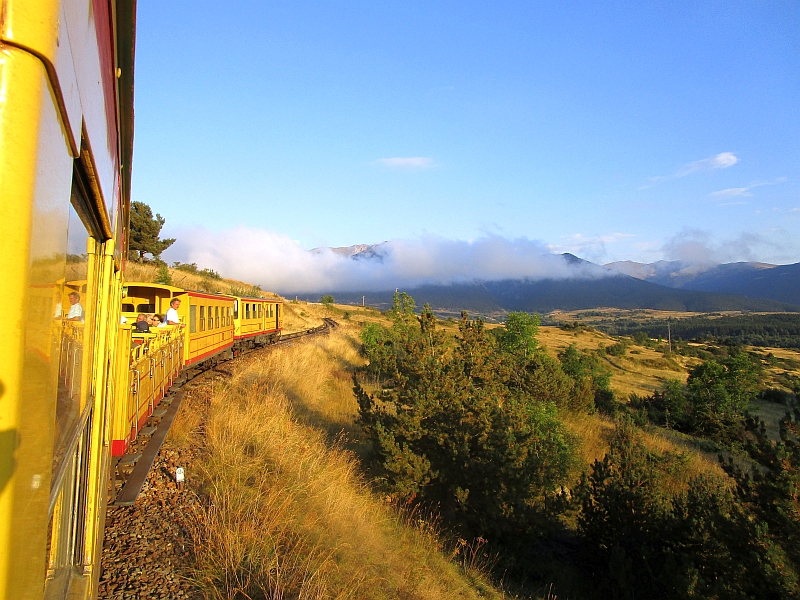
[
  {"x": 163, "y": 275},
  {"x": 455, "y": 425},
  {"x": 617, "y": 349}
]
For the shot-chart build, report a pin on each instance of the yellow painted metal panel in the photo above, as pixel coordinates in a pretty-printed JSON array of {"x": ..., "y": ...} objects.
[
  {"x": 32, "y": 26},
  {"x": 35, "y": 179}
]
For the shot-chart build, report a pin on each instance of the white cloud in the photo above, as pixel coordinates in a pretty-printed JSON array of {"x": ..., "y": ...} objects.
[
  {"x": 412, "y": 162},
  {"x": 745, "y": 191},
  {"x": 720, "y": 161},
  {"x": 696, "y": 246},
  {"x": 280, "y": 264},
  {"x": 732, "y": 203},
  {"x": 731, "y": 192},
  {"x": 723, "y": 160},
  {"x": 589, "y": 247}
]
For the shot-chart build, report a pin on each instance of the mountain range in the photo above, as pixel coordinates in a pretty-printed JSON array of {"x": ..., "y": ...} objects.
[
  {"x": 663, "y": 285},
  {"x": 752, "y": 279}
]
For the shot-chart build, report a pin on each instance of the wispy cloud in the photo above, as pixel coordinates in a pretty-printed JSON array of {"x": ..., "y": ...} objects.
[
  {"x": 745, "y": 191},
  {"x": 407, "y": 163},
  {"x": 590, "y": 247},
  {"x": 730, "y": 192},
  {"x": 723, "y": 160},
  {"x": 732, "y": 203},
  {"x": 720, "y": 161},
  {"x": 697, "y": 246}
]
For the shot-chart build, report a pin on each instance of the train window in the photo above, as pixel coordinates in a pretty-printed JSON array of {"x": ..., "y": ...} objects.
[
  {"x": 202, "y": 318},
  {"x": 192, "y": 319},
  {"x": 72, "y": 303},
  {"x": 246, "y": 310},
  {"x": 146, "y": 308},
  {"x": 260, "y": 311},
  {"x": 216, "y": 316},
  {"x": 128, "y": 308}
]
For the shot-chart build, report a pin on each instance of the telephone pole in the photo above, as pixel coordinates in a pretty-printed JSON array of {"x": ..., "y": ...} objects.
[{"x": 669, "y": 337}]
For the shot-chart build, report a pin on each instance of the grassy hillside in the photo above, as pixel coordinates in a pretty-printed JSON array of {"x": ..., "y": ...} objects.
[
  {"x": 286, "y": 512},
  {"x": 148, "y": 272}
]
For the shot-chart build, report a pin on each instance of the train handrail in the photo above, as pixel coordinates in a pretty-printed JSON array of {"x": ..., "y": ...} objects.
[{"x": 135, "y": 390}]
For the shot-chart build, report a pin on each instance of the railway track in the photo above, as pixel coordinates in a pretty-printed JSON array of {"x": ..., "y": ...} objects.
[{"x": 132, "y": 469}]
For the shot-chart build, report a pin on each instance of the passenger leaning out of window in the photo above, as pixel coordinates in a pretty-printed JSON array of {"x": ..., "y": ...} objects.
[
  {"x": 75, "y": 310},
  {"x": 141, "y": 325},
  {"x": 172, "y": 313}
]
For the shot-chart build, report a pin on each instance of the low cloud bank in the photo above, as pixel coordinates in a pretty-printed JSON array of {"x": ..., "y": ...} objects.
[
  {"x": 278, "y": 263},
  {"x": 701, "y": 247}
]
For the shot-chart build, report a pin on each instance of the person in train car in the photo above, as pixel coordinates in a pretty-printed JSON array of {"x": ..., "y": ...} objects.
[
  {"x": 76, "y": 310},
  {"x": 141, "y": 325},
  {"x": 172, "y": 313},
  {"x": 156, "y": 321}
]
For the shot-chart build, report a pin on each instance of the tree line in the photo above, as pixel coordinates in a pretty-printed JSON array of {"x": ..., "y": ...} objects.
[{"x": 777, "y": 330}]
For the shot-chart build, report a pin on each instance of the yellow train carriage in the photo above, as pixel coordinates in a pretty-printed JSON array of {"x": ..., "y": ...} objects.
[
  {"x": 152, "y": 362},
  {"x": 257, "y": 321},
  {"x": 66, "y": 122},
  {"x": 208, "y": 320},
  {"x": 147, "y": 298}
]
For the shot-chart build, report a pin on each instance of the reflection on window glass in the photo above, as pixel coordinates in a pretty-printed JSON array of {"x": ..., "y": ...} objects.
[{"x": 75, "y": 352}]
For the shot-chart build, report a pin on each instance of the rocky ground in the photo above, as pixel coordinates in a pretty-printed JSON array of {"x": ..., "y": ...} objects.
[{"x": 147, "y": 547}]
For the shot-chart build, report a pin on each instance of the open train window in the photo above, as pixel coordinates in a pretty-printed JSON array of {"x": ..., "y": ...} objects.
[
  {"x": 128, "y": 308},
  {"x": 67, "y": 311},
  {"x": 235, "y": 309},
  {"x": 146, "y": 308},
  {"x": 216, "y": 316},
  {"x": 202, "y": 318},
  {"x": 192, "y": 319}
]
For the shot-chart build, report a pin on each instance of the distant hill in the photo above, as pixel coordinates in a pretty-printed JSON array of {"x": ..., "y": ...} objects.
[
  {"x": 752, "y": 279},
  {"x": 620, "y": 291},
  {"x": 626, "y": 285}
]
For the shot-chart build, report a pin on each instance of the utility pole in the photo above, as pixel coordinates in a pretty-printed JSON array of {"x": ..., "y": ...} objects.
[
  {"x": 669, "y": 337},
  {"x": 362, "y": 301}
]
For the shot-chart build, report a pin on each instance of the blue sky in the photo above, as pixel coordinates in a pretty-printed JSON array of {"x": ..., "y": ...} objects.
[{"x": 621, "y": 130}]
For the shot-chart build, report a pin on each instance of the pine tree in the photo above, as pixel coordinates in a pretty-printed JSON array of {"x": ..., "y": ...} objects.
[{"x": 144, "y": 232}]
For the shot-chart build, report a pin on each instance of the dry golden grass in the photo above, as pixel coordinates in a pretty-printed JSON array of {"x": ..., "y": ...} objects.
[
  {"x": 641, "y": 373},
  {"x": 595, "y": 432},
  {"x": 285, "y": 511}
]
